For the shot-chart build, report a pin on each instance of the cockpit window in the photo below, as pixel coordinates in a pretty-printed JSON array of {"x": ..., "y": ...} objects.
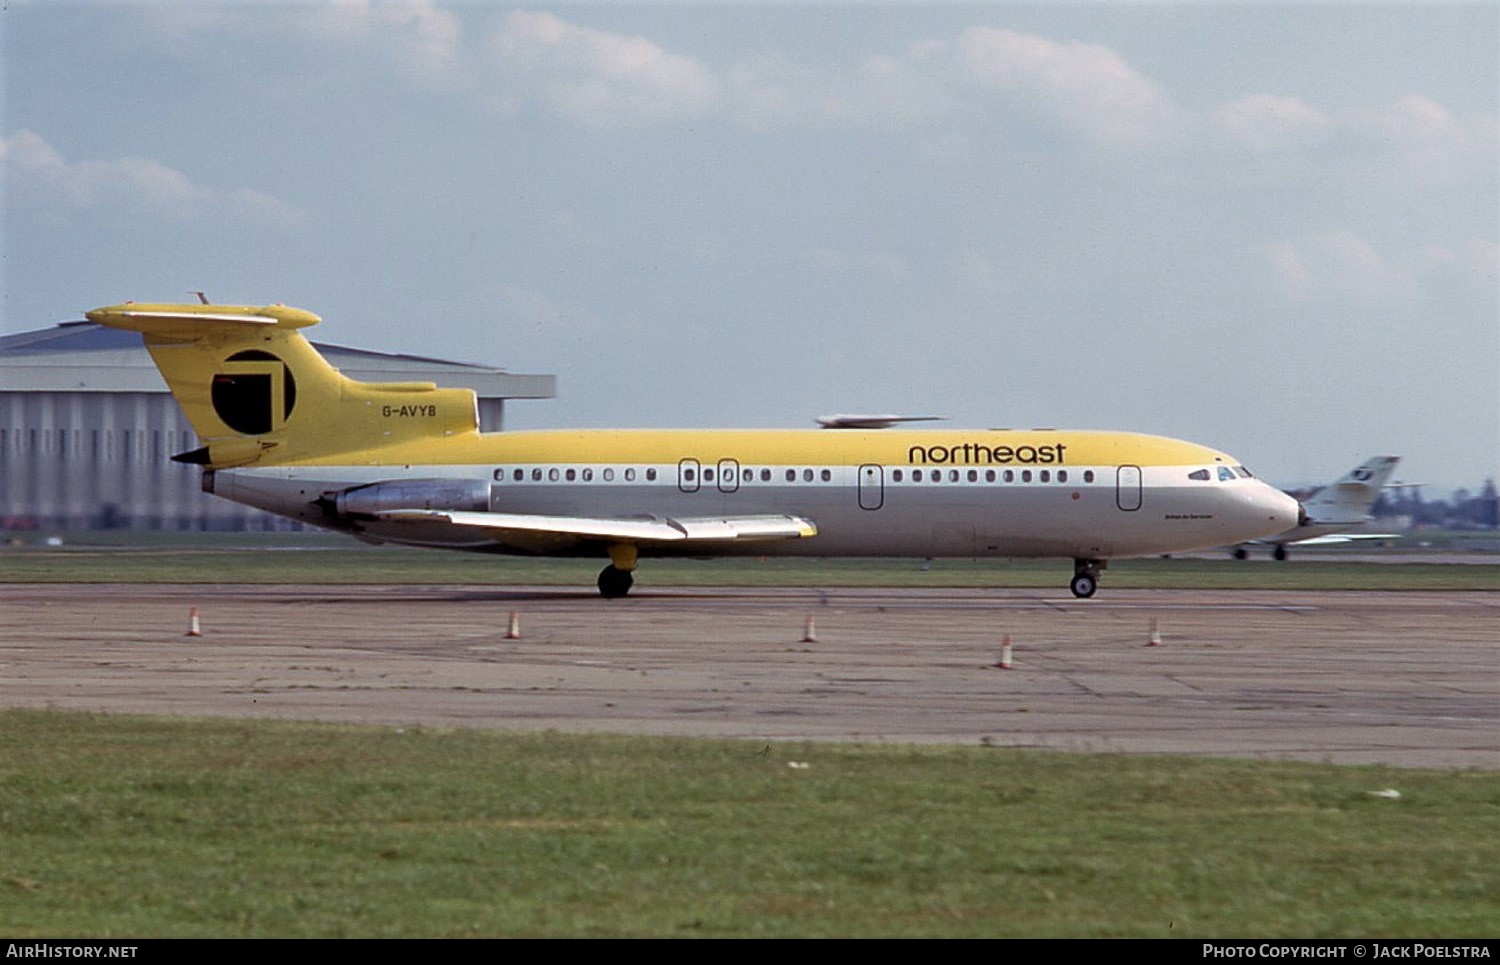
[
  {"x": 1244, "y": 473},
  {"x": 1225, "y": 475},
  {"x": 1201, "y": 475}
]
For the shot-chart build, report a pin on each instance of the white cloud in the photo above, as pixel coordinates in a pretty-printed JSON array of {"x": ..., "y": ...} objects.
[
  {"x": 1342, "y": 266},
  {"x": 37, "y": 173},
  {"x": 1266, "y": 122},
  {"x": 1336, "y": 264},
  {"x": 593, "y": 77},
  {"x": 1415, "y": 138},
  {"x": 1086, "y": 88},
  {"x": 1412, "y": 141},
  {"x": 421, "y": 40},
  {"x": 767, "y": 91}
]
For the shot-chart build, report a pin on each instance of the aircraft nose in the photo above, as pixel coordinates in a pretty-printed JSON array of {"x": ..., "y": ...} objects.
[{"x": 1282, "y": 511}]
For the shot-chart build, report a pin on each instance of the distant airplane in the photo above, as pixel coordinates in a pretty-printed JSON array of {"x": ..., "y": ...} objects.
[
  {"x": 1331, "y": 511},
  {"x": 405, "y": 463}
]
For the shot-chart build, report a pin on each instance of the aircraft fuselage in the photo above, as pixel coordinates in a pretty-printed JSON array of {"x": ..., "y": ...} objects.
[{"x": 917, "y": 493}]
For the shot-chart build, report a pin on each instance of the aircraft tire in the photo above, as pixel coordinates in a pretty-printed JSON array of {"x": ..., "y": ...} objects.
[
  {"x": 1279, "y": 553},
  {"x": 1084, "y": 585},
  {"x": 614, "y": 582}
]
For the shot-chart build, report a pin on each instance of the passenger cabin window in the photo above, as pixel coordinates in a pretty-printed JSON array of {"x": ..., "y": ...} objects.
[
  {"x": 827, "y": 475},
  {"x": 896, "y": 475},
  {"x": 1088, "y": 475},
  {"x": 630, "y": 475},
  {"x": 609, "y": 475},
  {"x": 651, "y": 475}
]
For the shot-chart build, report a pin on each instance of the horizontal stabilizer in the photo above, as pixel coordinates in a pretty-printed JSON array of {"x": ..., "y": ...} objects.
[
  {"x": 188, "y": 322},
  {"x": 871, "y": 421},
  {"x": 1332, "y": 539}
]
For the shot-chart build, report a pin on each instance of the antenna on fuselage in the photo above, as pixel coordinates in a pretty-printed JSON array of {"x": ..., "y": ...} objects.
[{"x": 201, "y": 297}]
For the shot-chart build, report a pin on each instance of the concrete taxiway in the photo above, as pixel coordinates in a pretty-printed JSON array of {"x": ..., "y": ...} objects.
[{"x": 1409, "y": 679}]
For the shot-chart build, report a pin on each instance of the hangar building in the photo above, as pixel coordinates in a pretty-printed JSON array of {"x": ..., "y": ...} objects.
[{"x": 88, "y": 429}]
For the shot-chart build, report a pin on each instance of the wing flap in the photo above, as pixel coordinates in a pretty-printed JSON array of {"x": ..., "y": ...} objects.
[{"x": 644, "y": 529}]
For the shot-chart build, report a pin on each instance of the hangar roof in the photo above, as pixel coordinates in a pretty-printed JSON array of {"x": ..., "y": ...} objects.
[{"x": 85, "y": 357}]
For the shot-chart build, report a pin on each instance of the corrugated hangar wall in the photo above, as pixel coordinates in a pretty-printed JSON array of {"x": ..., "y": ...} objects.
[
  {"x": 94, "y": 460},
  {"x": 87, "y": 431}
]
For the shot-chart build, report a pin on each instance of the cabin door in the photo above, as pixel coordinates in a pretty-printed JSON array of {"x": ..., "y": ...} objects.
[
  {"x": 1128, "y": 488},
  {"x": 871, "y": 487}
]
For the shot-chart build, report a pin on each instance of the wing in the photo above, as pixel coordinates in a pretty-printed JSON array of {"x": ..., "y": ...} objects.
[{"x": 548, "y": 532}]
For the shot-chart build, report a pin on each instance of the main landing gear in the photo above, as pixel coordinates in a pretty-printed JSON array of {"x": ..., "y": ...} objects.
[
  {"x": 1086, "y": 577},
  {"x": 615, "y": 580}
]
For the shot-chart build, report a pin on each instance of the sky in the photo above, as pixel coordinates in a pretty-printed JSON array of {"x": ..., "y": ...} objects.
[{"x": 1269, "y": 228}]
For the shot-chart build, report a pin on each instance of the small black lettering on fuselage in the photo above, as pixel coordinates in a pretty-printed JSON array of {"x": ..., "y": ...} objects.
[
  {"x": 408, "y": 411},
  {"x": 977, "y": 454}
]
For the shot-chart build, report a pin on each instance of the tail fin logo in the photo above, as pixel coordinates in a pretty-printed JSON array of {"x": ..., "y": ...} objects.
[{"x": 254, "y": 392}]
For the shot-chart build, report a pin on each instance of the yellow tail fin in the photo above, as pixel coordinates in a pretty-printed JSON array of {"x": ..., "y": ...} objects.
[{"x": 256, "y": 391}]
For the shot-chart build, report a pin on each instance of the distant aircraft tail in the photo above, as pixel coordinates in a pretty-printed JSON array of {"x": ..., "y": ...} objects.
[
  {"x": 256, "y": 391},
  {"x": 1350, "y": 499}
]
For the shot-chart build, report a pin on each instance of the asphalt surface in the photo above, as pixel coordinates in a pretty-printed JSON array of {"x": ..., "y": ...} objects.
[{"x": 1407, "y": 679}]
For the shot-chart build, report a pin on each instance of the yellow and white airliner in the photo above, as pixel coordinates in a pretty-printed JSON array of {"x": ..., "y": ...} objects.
[{"x": 405, "y": 463}]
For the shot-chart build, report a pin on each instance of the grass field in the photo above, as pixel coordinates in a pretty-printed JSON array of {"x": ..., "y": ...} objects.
[{"x": 147, "y": 827}]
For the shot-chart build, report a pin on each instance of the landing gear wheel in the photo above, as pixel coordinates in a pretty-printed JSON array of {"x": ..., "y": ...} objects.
[
  {"x": 1086, "y": 576},
  {"x": 614, "y": 583},
  {"x": 1240, "y": 553},
  {"x": 1279, "y": 553}
]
